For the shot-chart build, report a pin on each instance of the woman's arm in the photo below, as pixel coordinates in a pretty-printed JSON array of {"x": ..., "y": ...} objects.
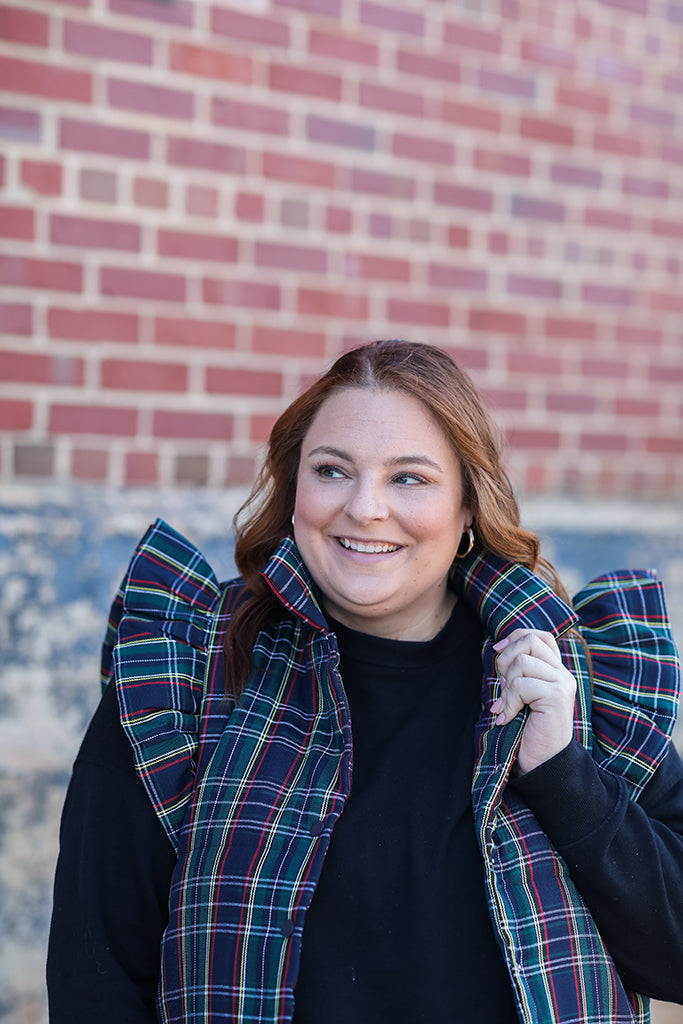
[
  {"x": 111, "y": 887},
  {"x": 626, "y": 859}
]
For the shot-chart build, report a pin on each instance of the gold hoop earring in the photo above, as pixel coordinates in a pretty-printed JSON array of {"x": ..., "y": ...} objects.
[{"x": 470, "y": 543}]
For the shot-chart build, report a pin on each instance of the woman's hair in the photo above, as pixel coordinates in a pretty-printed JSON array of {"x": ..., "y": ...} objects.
[{"x": 418, "y": 370}]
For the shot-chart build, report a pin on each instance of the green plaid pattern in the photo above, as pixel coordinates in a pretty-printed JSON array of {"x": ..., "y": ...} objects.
[{"x": 249, "y": 793}]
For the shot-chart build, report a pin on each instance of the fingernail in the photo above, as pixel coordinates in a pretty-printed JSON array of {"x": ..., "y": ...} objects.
[
  {"x": 497, "y": 705},
  {"x": 502, "y": 644}
]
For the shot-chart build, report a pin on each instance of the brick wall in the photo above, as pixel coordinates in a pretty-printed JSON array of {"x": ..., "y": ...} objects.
[{"x": 202, "y": 203}]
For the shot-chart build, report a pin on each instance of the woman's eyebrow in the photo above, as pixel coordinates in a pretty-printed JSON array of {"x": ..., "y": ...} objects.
[{"x": 397, "y": 460}]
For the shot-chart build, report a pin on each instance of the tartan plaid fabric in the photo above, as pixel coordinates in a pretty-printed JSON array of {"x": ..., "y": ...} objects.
[{"x": 249, "y": 793}]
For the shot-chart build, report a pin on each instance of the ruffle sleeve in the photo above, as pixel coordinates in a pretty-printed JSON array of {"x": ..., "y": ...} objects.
[
  {"x": 635, "y": 669},
  {"x": 155, "y": 648}
]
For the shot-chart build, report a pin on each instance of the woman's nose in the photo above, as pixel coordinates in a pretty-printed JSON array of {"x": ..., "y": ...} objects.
[{"x": 366, "y": 502}]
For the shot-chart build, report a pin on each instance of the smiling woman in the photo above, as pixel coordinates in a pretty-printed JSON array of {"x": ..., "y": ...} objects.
[{"x": 387, "y": 774}]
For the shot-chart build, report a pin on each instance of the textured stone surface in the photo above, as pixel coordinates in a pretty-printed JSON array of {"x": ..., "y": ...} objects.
[{"x": 62, "y": 555}]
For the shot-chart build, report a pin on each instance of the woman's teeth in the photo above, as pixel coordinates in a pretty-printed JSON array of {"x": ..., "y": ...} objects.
[{"x": 373, "y": 549}]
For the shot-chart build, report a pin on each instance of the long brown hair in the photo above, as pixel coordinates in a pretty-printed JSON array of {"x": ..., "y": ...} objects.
[{"x": 426, "y": 373}]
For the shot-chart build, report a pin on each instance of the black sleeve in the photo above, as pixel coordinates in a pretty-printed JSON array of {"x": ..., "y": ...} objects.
[
  {"x": 111, "y": 886},
  {"x": 626, "y": 859}
]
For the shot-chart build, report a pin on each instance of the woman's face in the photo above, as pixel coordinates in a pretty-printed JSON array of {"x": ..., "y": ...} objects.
[{"x": 379, "y": 512}]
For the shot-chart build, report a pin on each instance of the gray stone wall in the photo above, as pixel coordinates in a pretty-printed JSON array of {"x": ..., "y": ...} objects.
[{"x": 62, "y": 555}]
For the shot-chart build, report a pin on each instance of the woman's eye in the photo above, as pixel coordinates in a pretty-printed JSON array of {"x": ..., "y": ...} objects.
[
  {"x": 328, "y": 472},
  {"x": 409, "y": 478}
]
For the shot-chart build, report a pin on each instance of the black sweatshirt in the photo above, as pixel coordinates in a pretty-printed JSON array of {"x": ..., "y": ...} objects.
[{"x": 116, "y": 862}]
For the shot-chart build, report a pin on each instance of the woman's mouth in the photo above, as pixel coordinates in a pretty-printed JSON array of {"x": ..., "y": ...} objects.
[{"x": 367, "y": 547}]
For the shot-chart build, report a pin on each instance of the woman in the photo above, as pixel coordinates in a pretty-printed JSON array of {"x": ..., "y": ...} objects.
[{"x": 304, "y": 791}]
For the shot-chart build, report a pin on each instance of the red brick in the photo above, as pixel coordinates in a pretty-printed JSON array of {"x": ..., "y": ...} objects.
[
  {"x": 143, "y": 375},
  {"x": 36, "y": 368},
  {"x": 150, "y": 192},
  {"x": 105, "y": 420},
  {"x": 464, "y": 195},
  {"x": 20, "y": 125},
  {"x": 593, "y": 442},
  {"x": 573, "y": 174},
  {"x": 545, "y": 130},
  {"x": 659, "y": 117},
  {"x": 143, "y": 98},
  {"x": 330, "y": 8},
  {"x": 299, "y": 170},
  {"x": 340, "y": 133},
  {"x": 566, "y": 327},
  {"x": 260, "y": 427},
  {"x": 30, "y": 27},
  {"x": 15, "y": 415},
  {"x": 210, "y": 156},
  {"x": 533, "y": 287},
  {"x": 521, "y": 439},
  {"x": 241, "y": 470},
  {"x": 343, "y": 46},
  {"x": 33, "y": 460},
  {"x": 671, "y": 154},
  {"x": 189, "y": 333},
  {"x": 134, "y": 283},
  {"x": 380, "y": 225},
  {"x": 461, "y": 278},
  {"x": 534, "y": 363},
  {"x": 458, "y": 236},
  {"x": 588, "y": 100},
  {"x": 141, "y": 468},
  {"x": 548, "y": 53},
  {"x": 42, "y": 177},
  {"x": 621, "y": 145},
  {"x": 37, "y": 78},
  {"x": 330, "y": 304},
  {"x": 611, "y": 295},
  {"x": 92, "y": 325},
  {"x": 288, "y": 342},
  {"x": 191, "y": 469},
  {"x": 393, "y": 18},
  {"x": 231, "y": 380},
  {"x": 667, "y": 228},
  {"x": 16, "y": 222},
  {"x": 502, "y": 163},
  {"x": 508, "y": 84},
  {"x": 377, "y": 183},
  {"x": 213, "y": 426},
  {"x": 177, "y": 13},
  {"x": 498, "y": 242},
  {"x": 195, "y": 246},
  {"x": 249, "y": 294},
  {"x": 298, "y": 80},
  {"x": 497, "y": 321},
  {"x": 250, "y": 27},
  {"x": 634, "y": 334},
  {"x": 537, "y": 209},
  {"x": 15, "y": 318},
  {"x": 637, "y": 407},
  {"x": 210, "y": 63},
  {"x": 290, "y": 257},
  {"x": 38, "y": 273},
  {"x": 471, "y": 37},
  {"x": 503, "y": 398},
  {"x": 381, "y": 268},
  {"x": 89, "y": 464},
  {"x": 417, "y": 147},
  {"x": 570, "y": 402},
  {"x": 665, "y": 445},
  {"x": 251, "y": 117},
  {"x": 396, "y": 101},
  {"x": 411, "y": 311},
  {"x": 92, "y": 137},
  {"x": 615, "y": 69},
  {"x": 618, "y": 219},
  {"x": 666, "y": 302},
  {"x": 472, "y": 115},
  {"x": 443, "y": 69},
  {"x": 107, "y": 43},
  {"x": 249, "y": 206},
  {"x": 94, "y": 233},
  {"x": 338, "y": 219},
  {"x": 638, "y": 185},
  {"x": 98, "y": 186},
  {"x": 615, "y": 369},
  {"x": 201, "y": 202}
]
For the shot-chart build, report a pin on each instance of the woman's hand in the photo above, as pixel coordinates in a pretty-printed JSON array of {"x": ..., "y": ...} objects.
[{"x": 532, "y": 673}]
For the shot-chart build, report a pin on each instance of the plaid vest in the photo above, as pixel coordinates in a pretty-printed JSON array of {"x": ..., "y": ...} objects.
[{"x": 249, "y": 792}]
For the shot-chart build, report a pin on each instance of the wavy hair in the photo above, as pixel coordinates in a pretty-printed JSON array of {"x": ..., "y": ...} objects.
[{"x": 426, "y": 373}]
